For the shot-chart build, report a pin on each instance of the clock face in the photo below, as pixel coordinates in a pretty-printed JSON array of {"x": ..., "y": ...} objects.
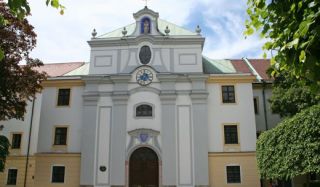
[{"x": 144, "y": 77}]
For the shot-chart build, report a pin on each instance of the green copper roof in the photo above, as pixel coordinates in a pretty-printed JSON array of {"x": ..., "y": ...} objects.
[
  {"x": 175, "y": 30},
  {"x": 83, "y": 70},
  {"x": 118, "y": 33},
  {"x": 217, "y": 66}
]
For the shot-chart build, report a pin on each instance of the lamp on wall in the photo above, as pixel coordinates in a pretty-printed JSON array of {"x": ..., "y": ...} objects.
[{"x": 1, "y": 127}]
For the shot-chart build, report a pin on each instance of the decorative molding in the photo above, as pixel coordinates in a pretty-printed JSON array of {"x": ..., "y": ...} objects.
[
  {"x": 187, "y": 56},
  {"x": 144, "y": 89},
  {"x": 90, "y": 98},
  {"x": 143, "y": 138},
  {"x": 168, "y": 98},
  {"x": 107, "y": 61},
  {"x": 231, "y": 154},
  {"x": 62, "y": 83},
  {"x": 145, "y": 11},
  {"x": 120, "y": 98},
  {"x": 199, "y": 97},
  {"x": 155, "y": 40},
  {"x": 231, "y": 79},
  {"x": 125, "y": 78}
]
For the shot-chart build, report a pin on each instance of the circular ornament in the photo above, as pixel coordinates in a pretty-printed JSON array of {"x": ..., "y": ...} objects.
[
  {"x": 144, "y": 77},
  {"x": 145, "y": 54}
]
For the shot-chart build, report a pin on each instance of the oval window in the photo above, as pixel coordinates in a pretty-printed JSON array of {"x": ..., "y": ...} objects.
[{"x": 145, "y": 54}]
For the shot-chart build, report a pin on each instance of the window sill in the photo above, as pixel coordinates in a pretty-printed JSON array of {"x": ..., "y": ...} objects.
[{"x": 231, "y": 148}]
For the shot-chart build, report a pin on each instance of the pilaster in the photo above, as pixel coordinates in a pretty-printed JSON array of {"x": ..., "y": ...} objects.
[
  {"x": 88, "y": 139},
  {"x": 118, "y": 134},
  {"x": 200, "y": 137},
  {"x": 168, "y": 134}
]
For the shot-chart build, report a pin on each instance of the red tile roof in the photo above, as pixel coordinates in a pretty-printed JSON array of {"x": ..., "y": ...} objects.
[
  {"x": 59, "y": 69},
  {"x": 261, "y": 66},
  {"x": 240, "y": 66}
]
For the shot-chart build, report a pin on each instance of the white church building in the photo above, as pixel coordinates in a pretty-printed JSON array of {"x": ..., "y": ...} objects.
[{"x": 148, "y": 110}]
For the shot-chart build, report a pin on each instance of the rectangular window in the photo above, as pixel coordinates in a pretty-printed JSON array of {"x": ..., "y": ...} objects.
[
  {"x": 228, "y": 94},
  {"x": 233, "y": 174},
  {"x": 231, "y": 134},
  {"x": 256, "y": 105},
  {"x": 58, "y": 174},
  {"x": 12, "y": 176},
  {"x": 16, "y": 141},
  {"x": 60, "y": 136},
  {"x": 63, "y": 97}
]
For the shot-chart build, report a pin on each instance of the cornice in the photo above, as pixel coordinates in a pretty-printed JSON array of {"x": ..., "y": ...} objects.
[
  {"x": 156, "y": 40},
  {"x": 231, "y": 79},
  {"x": 62, "y": 83}
]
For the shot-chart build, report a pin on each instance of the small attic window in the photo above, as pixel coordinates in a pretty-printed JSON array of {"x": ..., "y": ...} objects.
[{"x": 145, "y": 25}]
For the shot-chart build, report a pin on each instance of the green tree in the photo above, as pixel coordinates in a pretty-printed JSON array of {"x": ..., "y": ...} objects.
[
  {"x": 291, "y": 95},
  {"x": 292, "y": 148},
  {"x": 18, "y": 83},
  {"x": 4, "y": 151},
  {"x": 292, "y": 28}
]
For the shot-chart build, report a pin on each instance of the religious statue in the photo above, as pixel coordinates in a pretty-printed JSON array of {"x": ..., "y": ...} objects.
[{"x": 146, "y": 27}]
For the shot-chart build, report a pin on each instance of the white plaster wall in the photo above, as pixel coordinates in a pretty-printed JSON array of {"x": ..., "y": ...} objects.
[
  {"x": 103, "y": 61},
  {"x": 242, "y": 113},
  {"x": 273, "y": 119},
  {"x": 147, "y": 123},
  {"x": 124, "y": 59},
  {"x": 23, "y": 126},
  {"x": 188, "y": 59},
  {"x": 51, "y": 115}
]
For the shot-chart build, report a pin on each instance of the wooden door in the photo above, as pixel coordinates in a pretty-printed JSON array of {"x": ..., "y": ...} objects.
[{"x": 144, "y": 168}]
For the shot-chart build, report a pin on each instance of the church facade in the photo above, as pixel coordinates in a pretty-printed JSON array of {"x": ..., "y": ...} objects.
[{"x": 147, "y": 110}]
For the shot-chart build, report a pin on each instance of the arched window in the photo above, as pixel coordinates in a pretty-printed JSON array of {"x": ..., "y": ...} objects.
[{"x": 144, "y": 110}]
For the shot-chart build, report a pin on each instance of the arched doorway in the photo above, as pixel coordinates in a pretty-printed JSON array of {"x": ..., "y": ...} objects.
[{"x": 143, "y": 168}]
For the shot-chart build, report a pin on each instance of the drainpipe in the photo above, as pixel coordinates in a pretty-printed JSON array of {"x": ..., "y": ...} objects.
[
  {"x": 264, "y": 104},
  {"x": 28, "y": 148}
]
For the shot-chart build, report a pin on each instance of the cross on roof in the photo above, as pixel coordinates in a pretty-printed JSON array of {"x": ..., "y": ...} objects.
[{"x": 146, "y": 1}]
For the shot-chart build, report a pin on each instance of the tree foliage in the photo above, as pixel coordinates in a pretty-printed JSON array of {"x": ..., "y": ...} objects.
[
  {"x": 291, "y": 95},
  {"x": 292, "y": 28},
  {"x": 4, "y": 151},
  {"x": 292, "y": 148},
  {"x": 17, "y": 83}
]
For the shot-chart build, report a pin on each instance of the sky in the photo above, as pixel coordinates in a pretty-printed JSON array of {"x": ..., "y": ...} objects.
[{"x": 63, "y": 38}]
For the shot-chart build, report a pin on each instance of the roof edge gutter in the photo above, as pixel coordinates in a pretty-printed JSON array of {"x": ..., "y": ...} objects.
[{"x": 259, "y": 78}]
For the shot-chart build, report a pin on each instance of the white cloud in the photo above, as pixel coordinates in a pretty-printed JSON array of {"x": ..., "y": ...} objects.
[{"x": 63, "y": 38}]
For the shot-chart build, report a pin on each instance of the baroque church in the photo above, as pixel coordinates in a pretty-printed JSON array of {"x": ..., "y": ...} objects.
[{"x": 148, "y": 110}]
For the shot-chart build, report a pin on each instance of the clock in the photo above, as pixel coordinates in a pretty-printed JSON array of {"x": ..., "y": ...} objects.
[{"x": 144, "y": 77}]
